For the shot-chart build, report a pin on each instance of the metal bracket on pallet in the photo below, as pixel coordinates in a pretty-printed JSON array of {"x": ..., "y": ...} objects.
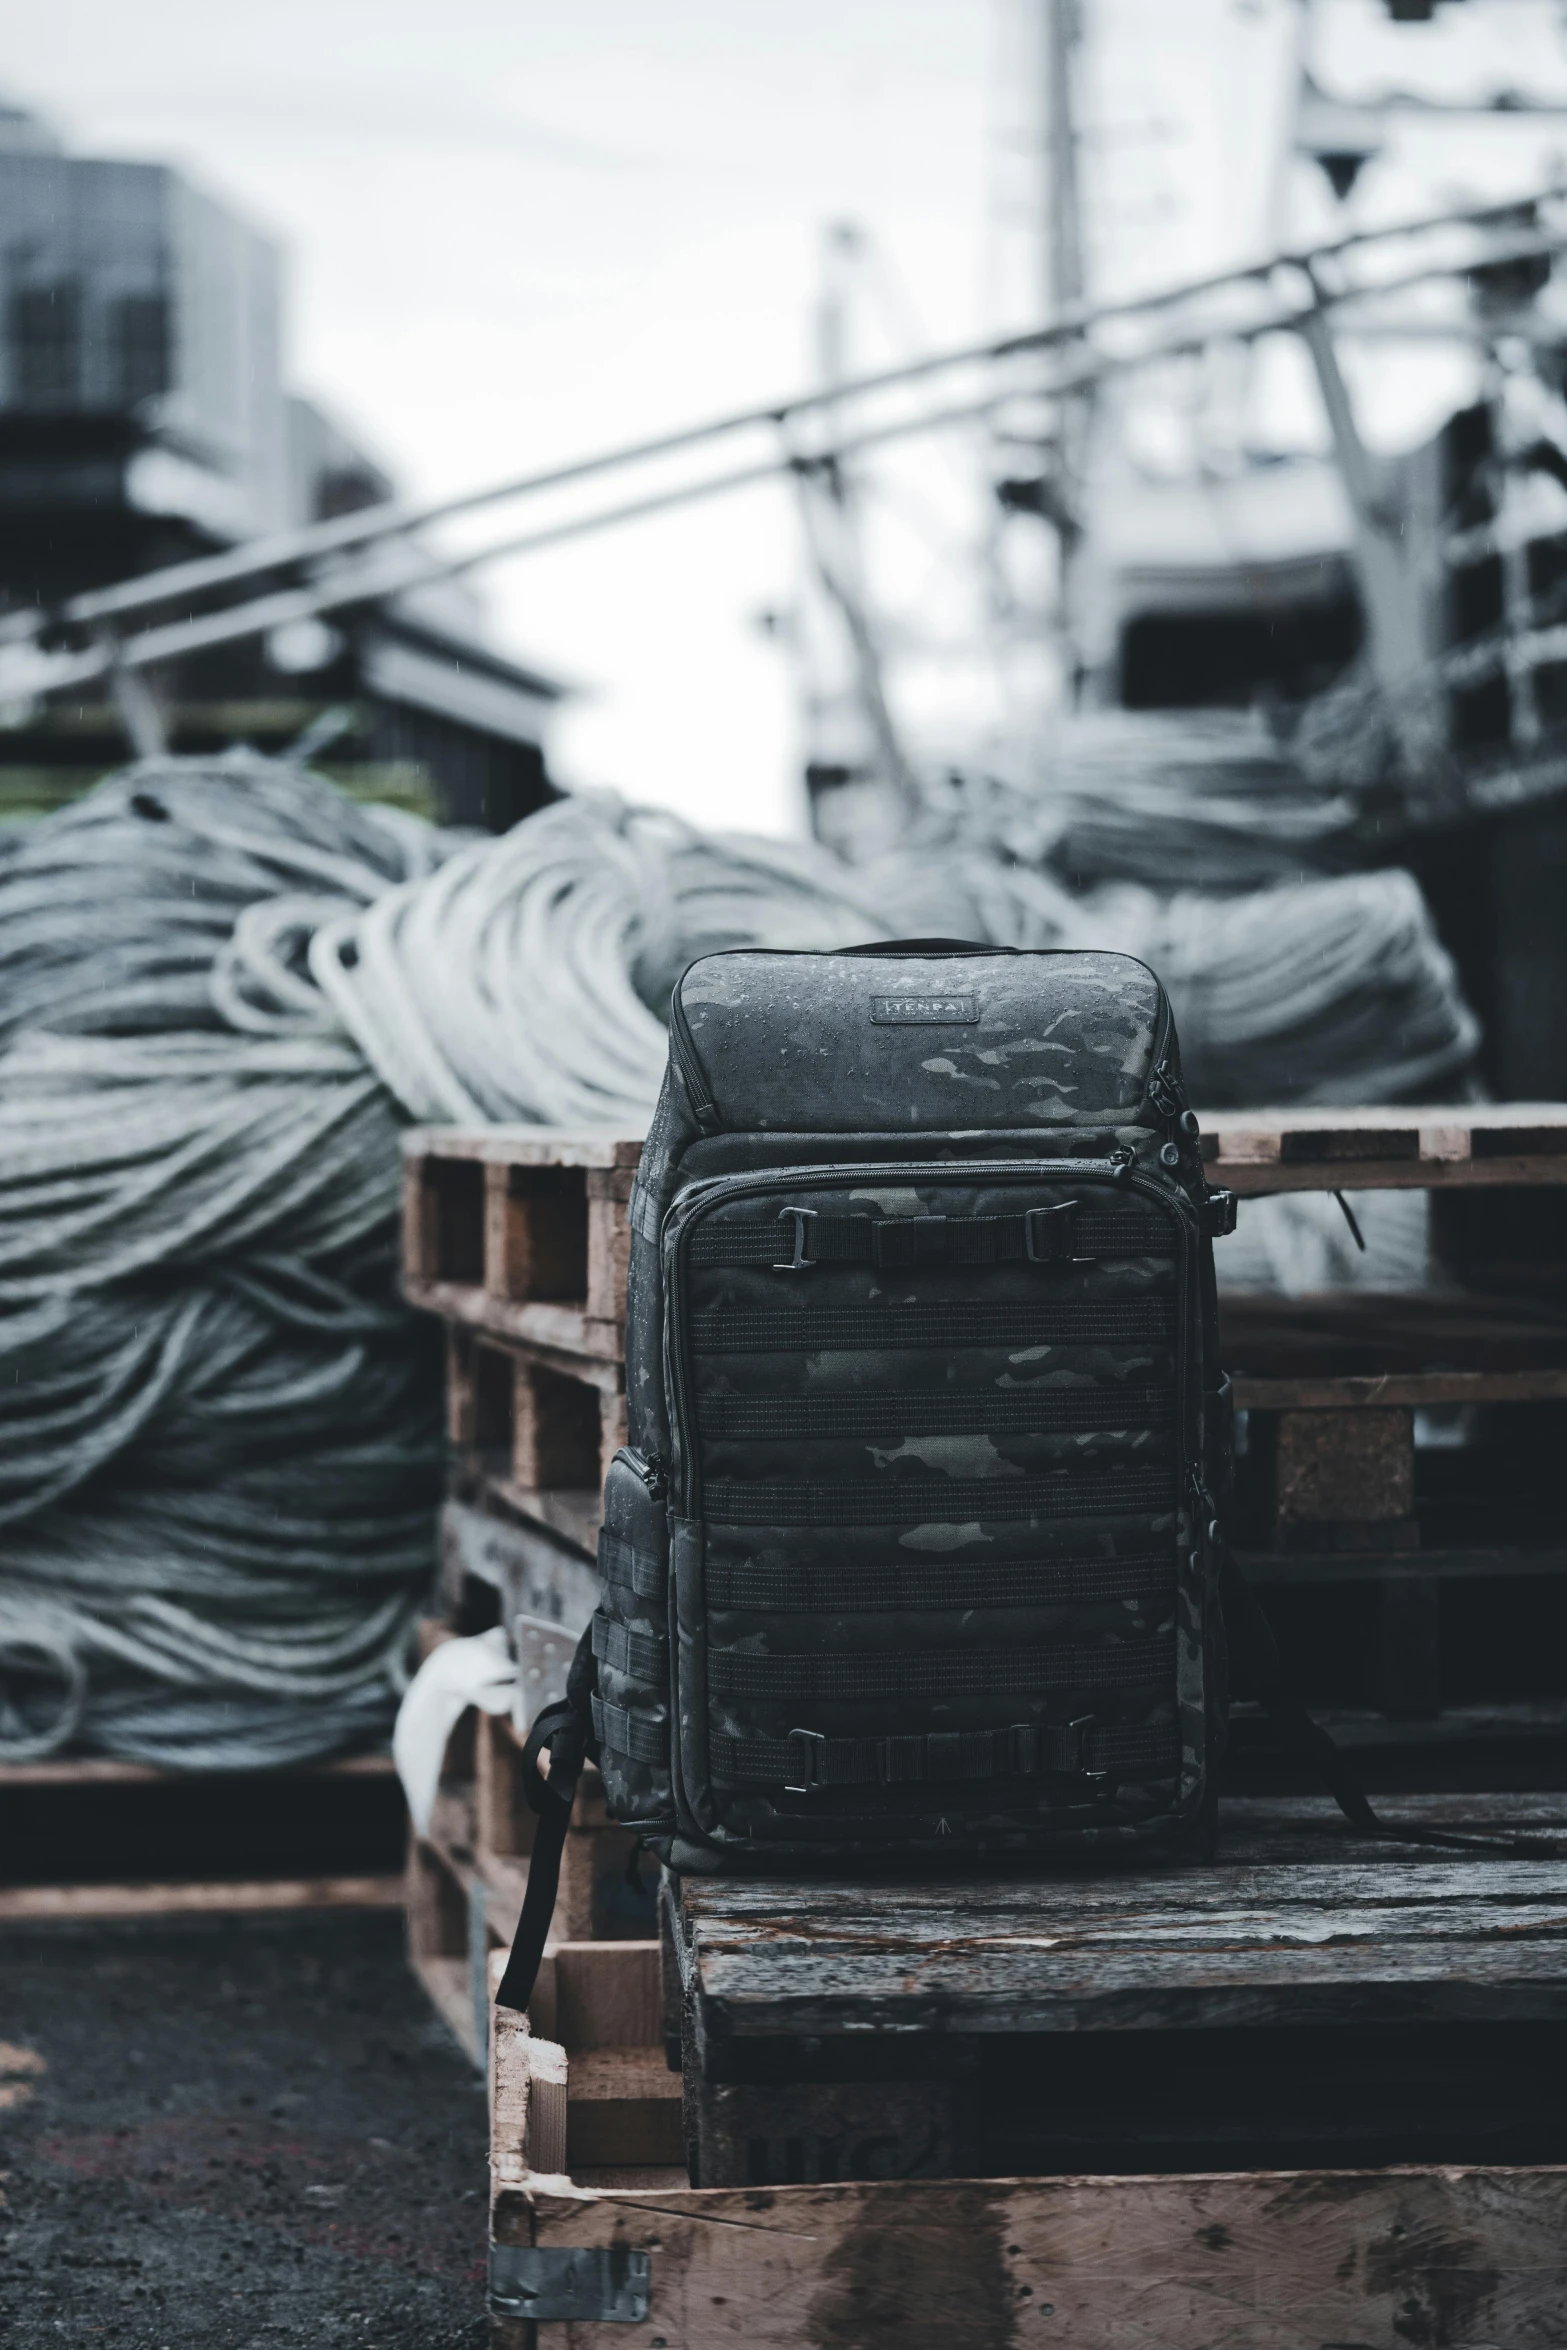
[{"x": 602, "y": 2285}]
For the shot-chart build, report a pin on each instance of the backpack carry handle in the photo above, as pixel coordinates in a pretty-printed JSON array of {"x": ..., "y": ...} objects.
[{"x": 927, "y": 946}]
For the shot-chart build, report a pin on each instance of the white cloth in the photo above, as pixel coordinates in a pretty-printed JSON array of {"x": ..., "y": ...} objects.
[{"x": 460, "y": 1673}]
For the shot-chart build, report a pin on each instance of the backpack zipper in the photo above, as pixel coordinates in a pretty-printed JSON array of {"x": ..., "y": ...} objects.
[
  {"x": 694, "y": 1077},
  {"x": 651, "y": 1470}
]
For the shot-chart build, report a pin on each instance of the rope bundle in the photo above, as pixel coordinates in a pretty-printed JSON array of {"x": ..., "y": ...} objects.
[
  {"x": 221, "y": 987},
  {"x": 218, "y": 1460}
]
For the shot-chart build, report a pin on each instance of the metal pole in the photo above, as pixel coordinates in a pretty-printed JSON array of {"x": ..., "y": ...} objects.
[
  {"x": 1398, "y": 652},
  {"x": 287, "y": 549}
]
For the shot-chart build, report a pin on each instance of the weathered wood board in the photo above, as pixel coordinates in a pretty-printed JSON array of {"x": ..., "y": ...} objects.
[
  {"x": 1349, "y": 2260},
  {"x": 1345, "y": 1932},
  {"x": 1325, "y": 1148}
]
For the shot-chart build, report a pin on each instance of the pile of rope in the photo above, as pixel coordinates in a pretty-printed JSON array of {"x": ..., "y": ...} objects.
[
  {"x": 529, "y": 978},
  {"x": 218, "y": 1457},
  {"x": 1173, "y": 799},
  {"x": 222, "y": 986}
]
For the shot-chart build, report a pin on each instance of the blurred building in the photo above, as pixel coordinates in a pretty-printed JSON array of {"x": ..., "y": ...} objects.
[{"x": 144, "y": 419}]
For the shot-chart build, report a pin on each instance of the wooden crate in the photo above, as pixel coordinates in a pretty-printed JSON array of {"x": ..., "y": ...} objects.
[
  {"x": 521, "y": 1231},
  {"x": 872, "y": 2067}
]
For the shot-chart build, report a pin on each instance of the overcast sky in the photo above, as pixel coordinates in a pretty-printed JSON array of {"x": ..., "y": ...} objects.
[{"x": 522, "y": 229}]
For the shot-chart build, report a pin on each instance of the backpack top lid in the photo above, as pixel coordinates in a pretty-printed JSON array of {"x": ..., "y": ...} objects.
[{"x": 888, "y": 1040}]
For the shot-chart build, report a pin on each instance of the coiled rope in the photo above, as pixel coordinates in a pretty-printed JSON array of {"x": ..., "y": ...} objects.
[
  {"x": 221, "y": 988},
  {"x": 219, "y": 1458}
]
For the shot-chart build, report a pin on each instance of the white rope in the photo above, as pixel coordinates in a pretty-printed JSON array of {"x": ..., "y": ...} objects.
[{"x": 221, "y": 986}]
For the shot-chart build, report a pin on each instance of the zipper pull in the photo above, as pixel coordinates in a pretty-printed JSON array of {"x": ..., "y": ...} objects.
[
  {"x": 1168, "y": 1096},
  {"x": 1122, "y": 1161},
  {"x": 1206, "y": 1511},
  {"x": 649, "y": 1469}
]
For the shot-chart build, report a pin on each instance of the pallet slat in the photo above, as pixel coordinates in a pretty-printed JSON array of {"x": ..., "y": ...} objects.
[
  {"x": 1316, "y": 1149},
  {"x": 1265, "y": 2261}
]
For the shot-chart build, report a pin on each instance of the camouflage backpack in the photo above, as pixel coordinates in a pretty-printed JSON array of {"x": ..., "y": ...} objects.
[{"x": 915, "y": 1547}]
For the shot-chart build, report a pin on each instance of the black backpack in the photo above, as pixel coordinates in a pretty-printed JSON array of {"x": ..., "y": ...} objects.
[{"x": 915, "y": 1547}]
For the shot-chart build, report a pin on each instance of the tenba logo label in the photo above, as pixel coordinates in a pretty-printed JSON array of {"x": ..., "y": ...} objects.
[{"x": 924, "y": 1011}]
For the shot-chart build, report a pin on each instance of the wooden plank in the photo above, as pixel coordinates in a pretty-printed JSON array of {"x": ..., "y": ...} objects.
[
  {"x": 609, "y": 1259},
  {"x": 566, "y": 1330},
  {"x": 33, "y": 1904},
  {"x": 525, "y": 1146},
  {"x": 1351, "y": 1941},
  {"x": 607, "y": 1995},
  {"x": 1375, "y": 1149},
  {"x": 1391, "y": 1566},
  {"x": 94, "y": 1770},
  {"x": 1464, "y": 2259},
  {"x": 445, "y": 1983},
  {"x": 574, "y": 1515},
  {"x": 1417, "y": 1390},
  {"x": 1254, "y": 1178},
  {"x": 420, "y": 1226},
  {"x": 1369, "y": 1333},
  {"x": 529, "y": 2084},
  {"x": 623, "y": 2105},
  {"x": 532, "y": 1572},
  {"x": 764, "y": 2134}
]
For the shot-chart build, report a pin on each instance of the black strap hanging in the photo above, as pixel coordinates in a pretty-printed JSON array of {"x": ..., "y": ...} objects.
[{"x": 565, "y": 1731}]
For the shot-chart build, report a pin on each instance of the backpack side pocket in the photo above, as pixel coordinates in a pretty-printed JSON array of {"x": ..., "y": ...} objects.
[{"x": 631, "y": 1645}]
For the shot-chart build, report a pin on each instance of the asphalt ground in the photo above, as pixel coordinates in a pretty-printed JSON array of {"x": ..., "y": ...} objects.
[{"x": 234, "y": 2134}]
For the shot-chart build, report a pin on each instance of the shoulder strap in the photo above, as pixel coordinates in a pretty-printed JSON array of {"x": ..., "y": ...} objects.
[
  {"x": 565, "y": 1730},
  {"x": 1257, "y": 1672}
]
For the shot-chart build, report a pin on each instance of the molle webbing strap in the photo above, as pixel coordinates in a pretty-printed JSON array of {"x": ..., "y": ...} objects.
[
  {"x": 852, "y": 1677},
  {"x": 637, "y": 1571},
  {"x": 800, "y": 1238},
  {"x": 645, "y": 1737},
  {"x": 890, "y": 1500},
  {"x": 642, "y": 1656},
  {"x": 934, "y": 1412},
  {"x": 1037, "y": 1321},
  {"x": 847, "y": 1589},
  {"x": 1027, "y": 1750}
]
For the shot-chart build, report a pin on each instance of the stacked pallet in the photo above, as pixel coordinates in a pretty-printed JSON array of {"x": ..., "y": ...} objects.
[
  {"x": 517, "y": 1238},
  {"x": 1259, "y": 2104},
  {"x": 838, "y": 2111},
  {"x": 1397, "y": 1497}
]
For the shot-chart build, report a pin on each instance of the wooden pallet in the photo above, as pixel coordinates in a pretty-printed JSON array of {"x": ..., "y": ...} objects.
[
  {"x": 1308, "y": 1995},
  {"x": 870, "y": 2067},
  {"x": 1472, "y": 2259},
  {"x": 467, "y": 1875},
  {"x": 520, "y": 1231},
  {"x": 533, "y": 1428},
  {"x": 170, "y": 1838}
]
